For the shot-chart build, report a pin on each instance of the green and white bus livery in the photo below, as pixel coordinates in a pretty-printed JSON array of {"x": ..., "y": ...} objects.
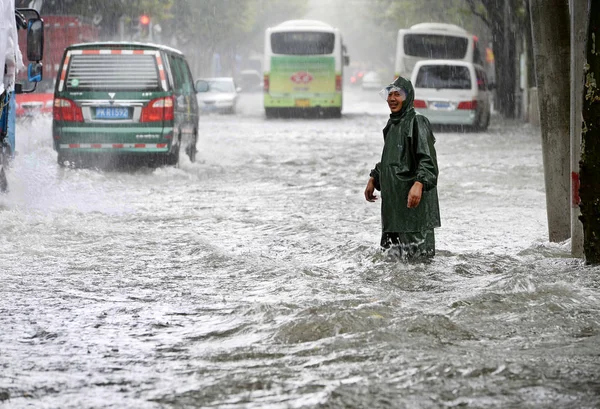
[{"x": 303, "y": 69}]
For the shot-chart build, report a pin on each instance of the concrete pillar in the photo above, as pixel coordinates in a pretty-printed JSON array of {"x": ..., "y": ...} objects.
[
  {"x": 579, "y": 10},
  {"x": 551, "y": 47}
]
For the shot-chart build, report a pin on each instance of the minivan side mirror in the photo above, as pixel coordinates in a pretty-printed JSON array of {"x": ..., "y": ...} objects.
[
  {"x": 202, "y": 86},
  {"x": 35, "y": 39}
]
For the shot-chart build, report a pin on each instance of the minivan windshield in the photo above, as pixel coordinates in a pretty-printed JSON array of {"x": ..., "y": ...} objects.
[
  {"x": 302, "y": 43},
  {"x": 434, "y": 46},
  {"x": 113, "y": 72},
  {"x": 443, "y": 76}
]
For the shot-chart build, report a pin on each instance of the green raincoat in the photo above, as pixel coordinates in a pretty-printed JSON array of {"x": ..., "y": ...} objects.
[{"x": 408, "y": 156}]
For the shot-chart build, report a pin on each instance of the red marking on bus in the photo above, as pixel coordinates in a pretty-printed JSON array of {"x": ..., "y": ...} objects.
[{"x": 301, "y": 77}]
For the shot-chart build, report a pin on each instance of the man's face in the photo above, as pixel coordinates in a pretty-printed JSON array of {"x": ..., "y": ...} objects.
[{"x": 394, "y": 100}]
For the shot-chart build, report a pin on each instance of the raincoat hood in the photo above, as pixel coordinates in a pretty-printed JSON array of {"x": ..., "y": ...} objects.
[{"x": 408, "y": 103}]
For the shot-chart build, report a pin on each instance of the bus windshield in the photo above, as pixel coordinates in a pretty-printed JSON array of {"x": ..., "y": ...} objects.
[
  {"x": 435, "y": 46},
  {"x": 302, "y": 43}
]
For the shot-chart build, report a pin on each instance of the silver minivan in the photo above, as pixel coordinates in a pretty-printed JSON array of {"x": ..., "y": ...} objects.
[{"x": 450, "y": 92}]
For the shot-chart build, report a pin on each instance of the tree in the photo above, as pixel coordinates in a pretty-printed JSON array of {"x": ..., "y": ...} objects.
[
  {"x": 503, "y": 17},
  {"x": 202, "y": 29},
  {"x": 227, "y": 28},
  {"x": 589, "y": 189},
  {"x": 108, "y": 14}
]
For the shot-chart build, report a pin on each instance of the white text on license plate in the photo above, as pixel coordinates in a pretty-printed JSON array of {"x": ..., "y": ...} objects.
[{"x": 112, "y": 113}]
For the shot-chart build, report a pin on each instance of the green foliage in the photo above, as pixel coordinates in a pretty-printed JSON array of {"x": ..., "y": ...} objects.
[
  {"x": 396, "y": 14},
  {"x": 198, "y": 27},
  {"x": 227, "y": 22}
]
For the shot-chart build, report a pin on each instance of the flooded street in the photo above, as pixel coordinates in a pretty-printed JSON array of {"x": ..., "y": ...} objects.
[{"x": 253, "y": 278}]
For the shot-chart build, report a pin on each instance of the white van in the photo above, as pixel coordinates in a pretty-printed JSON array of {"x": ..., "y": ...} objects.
[{"x": 450, "y": 92}]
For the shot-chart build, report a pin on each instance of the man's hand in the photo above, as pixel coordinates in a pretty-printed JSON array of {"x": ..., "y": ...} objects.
[
  {"x": 414, "y": 195},
  {"x": 370, "y": 189}
]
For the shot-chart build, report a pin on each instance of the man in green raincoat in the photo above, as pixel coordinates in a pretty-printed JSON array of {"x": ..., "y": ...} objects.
[{"x": 407, "y": 177}]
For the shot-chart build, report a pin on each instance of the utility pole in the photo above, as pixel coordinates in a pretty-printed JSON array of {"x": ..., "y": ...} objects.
[
  {"x": 551, "y": 47},
  {"x": 579, "y": 19}
]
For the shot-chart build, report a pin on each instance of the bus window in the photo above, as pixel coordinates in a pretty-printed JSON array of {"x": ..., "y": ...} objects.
[
  {"x": 435, "y": 46},
  {"x": 302, "y": 43}
]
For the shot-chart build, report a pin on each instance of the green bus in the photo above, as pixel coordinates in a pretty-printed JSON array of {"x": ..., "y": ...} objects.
[{"x": 303, "y": 69}]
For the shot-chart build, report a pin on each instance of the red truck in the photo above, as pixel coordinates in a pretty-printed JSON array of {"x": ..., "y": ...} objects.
[{"x": 59, "y": 33}]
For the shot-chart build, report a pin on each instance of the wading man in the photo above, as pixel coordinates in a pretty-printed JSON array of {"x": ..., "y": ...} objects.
[{"x": 407, "y": 177}]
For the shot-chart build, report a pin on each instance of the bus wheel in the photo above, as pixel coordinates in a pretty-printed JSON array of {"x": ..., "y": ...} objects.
[{"x": 270, "y": 113}]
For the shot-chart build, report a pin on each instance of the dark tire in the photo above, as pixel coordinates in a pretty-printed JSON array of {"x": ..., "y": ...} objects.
[
  {"x": 60, "y": 159},
  {"x": 270, "y": 113},
  {"x": 486, "y": 124},
  {"x": 172, "y": 158},
  {"x": 3, "y": 180},
  {"x": 191, "y": 149}
]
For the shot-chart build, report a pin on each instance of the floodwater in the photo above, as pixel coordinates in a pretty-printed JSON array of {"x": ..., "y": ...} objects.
[{"x": 253, "y": 279}]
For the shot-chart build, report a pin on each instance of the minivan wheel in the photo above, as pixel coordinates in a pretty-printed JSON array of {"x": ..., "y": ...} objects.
[
  {"x": 62, "y": 160},
  {"x": 486, "y": 124},
  {"x": 191, "y": 149},
  {"x": 172, "y": 158}
]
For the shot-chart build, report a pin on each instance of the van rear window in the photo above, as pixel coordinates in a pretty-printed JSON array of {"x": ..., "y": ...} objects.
[
  {"x": 113, "y": 72},
  {"x": 443, "y": 76}
]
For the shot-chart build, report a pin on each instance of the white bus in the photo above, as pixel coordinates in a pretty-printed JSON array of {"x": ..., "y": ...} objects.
[
  {"x": 303, "y": 69},
  {"x": 438, "y": 41}
]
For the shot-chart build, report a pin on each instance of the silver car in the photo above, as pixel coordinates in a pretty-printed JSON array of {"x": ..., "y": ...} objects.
[{"x": 219, "y": 95}]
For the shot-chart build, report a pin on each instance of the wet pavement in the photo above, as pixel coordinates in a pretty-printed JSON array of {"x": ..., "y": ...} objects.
[{"x": 253, "y": 279}]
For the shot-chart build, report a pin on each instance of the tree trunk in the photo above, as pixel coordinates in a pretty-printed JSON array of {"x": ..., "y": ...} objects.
[
  {"x": 502, "y": 25},
  {"x": 589, "y": 189},
  {"x": 551, "y": 47}
]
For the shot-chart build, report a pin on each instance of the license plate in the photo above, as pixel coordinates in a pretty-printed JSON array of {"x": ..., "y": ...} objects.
[
  {"x": 441, "y": 105},
  {"x": 112, "y": 113},
  {"x": 303, "y": 103}
]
